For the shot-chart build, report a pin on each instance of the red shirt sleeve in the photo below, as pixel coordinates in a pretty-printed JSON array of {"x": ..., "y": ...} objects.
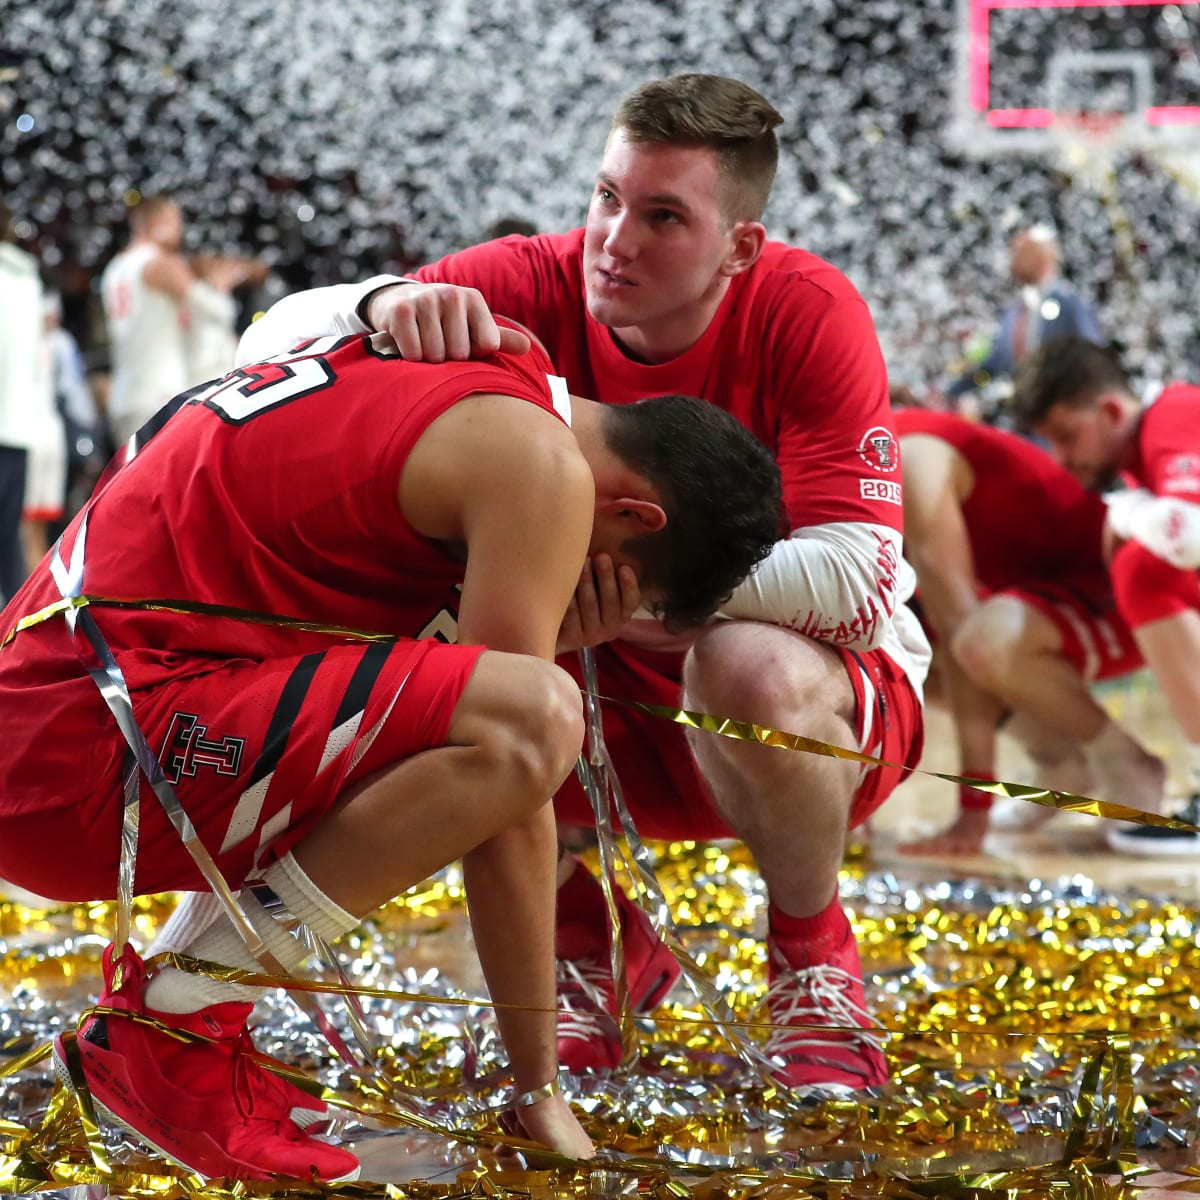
[{"x": 837, "y": 447}]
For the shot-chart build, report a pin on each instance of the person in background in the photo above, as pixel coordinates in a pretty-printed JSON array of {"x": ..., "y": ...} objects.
[
  {"x": 212, "y": 334},
  {"x": 46, "y": 477},
  {"x": 1012, "y": 582},
  {"x": 1045, "y": 308},
  {"x": 26, "y": 400},
  {"x": 1079, "y": 397},
  {"x": 82, "y": 424},
  {"x": 508, "y": 226},
  {"x": 152, "y": 297}
]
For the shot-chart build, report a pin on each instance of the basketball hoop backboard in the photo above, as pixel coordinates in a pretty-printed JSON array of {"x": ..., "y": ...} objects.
[{"x": 1032, "y": 71}]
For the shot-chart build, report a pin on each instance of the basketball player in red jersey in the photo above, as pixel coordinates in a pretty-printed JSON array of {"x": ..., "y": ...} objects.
[
  {"x": 1079, "y": 397},
  {"x": 344, "y": 485},
  {"x": 1007, "y": 549},
  {"x": 674, "y": 285}
]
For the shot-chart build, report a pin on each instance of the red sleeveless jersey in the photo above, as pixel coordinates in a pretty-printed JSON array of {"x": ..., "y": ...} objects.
[
  {"x": 274, "y": 490},
  {"x": 1028, "y": 519}
]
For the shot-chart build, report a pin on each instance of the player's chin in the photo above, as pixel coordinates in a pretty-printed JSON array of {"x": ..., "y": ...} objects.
[{"x": 610, "y": 310}]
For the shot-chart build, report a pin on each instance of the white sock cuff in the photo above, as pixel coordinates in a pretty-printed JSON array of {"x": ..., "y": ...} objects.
[
  {"x": 194, "y": 913},
  {"x": 287, "y": 879},
  {"x": 181, "y": 991}
]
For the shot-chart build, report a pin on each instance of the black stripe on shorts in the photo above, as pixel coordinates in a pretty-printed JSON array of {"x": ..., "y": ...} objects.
[
  {"x": 291, "y": 700},
  {"x": 363, "y": 680}
]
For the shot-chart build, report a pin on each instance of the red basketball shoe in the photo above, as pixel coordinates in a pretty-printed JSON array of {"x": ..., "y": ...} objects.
[
  {"x": 803, "y": 992},
  {"x": 589, "y": 1037},
  {"x": 207, "y": 1105}
]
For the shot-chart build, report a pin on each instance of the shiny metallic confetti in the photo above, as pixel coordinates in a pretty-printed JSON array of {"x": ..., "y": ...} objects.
[{"x": 1043, "y": 1041}]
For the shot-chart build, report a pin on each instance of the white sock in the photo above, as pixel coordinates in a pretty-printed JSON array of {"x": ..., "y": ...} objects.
[
  {"x": 194, "y": 913},
  {"x": 286, "y": 878},
  {"x": 220, "y": 942}
]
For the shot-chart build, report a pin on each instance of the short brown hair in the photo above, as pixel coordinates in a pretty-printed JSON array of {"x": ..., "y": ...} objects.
[
  {"x": 720, "y": 489},
  {"x": 1071, "y": 371},
  {"x": 721, "y": 114}
]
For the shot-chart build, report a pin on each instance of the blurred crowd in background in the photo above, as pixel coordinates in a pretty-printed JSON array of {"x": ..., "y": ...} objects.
[
  {"x": 334, "y": 149},
  {"x": 312, "y": 151}
]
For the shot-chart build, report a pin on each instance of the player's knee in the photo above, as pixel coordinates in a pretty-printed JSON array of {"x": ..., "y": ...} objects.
[
  {"x": 987, "y": 644},
  {"x": 766, "y": 674},
  {"x": 543, "y": 729},
  {"x": 1147, "y": 588}
]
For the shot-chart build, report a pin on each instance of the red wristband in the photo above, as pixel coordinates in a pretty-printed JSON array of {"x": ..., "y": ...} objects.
[{"x": 972, "y": 799}]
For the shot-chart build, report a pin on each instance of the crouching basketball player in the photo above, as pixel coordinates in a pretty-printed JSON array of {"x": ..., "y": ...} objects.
[
  {"x": 343, "y": 485},
  {"x": 1080, "y": 398}
]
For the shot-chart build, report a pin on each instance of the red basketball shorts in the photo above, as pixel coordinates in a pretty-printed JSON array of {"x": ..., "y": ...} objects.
[
  {"x": 1096, "y": 641},
  {"x": 662, "y": 786},
  {"x": 257, "y": 753}
]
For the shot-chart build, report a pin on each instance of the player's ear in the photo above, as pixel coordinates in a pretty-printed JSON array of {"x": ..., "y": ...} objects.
[
  {"x": 647, "y": 515},
  {"x": 749, "y": 238}
]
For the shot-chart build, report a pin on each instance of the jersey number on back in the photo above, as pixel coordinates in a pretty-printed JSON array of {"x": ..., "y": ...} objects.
[{"x": 250, "y": 391}]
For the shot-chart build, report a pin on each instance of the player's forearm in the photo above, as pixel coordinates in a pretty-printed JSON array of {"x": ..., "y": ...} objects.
[
  {"x": 837, "y": 583},
  {"x": 318, "y": 312},
  {"x": 976, "y": 717},
  {"x": 510, "y": 890},
  {"x": 1165, "y": 525}
]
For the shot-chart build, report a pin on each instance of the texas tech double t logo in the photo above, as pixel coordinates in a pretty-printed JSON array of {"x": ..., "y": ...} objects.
[{"x": 187, "y": 748}]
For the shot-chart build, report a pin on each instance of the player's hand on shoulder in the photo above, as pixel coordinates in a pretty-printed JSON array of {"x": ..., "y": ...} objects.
[
  {"x": 603, "y": 604},
  {"x": 436, "y": 322}
]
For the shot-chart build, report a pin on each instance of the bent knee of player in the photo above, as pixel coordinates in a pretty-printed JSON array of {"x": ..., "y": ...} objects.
[
  {"x": 533, "y": 725},
  {"x": 553, "y": 720},
  {"x": 770, "y": 675},
  {"x": 989, "y": 643}
]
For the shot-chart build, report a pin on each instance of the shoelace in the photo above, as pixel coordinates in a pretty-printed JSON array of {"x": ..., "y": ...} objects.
[
  {"x": 819, "y": 995},
  {"x": 245, "y": 1093},
  {"x": 584, "y": 986},
  {"x": 255, "y": 1088}
]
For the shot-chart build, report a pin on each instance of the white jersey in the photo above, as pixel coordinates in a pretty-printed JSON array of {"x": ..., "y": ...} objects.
[
  {"x": 211, "y": 337},
  {"x": 26, "y": 388},
  {"x": 147, "y": 331}
]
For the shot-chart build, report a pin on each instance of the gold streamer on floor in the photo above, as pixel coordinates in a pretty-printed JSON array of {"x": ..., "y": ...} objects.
[{"x": 1042, "y": 1039}]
